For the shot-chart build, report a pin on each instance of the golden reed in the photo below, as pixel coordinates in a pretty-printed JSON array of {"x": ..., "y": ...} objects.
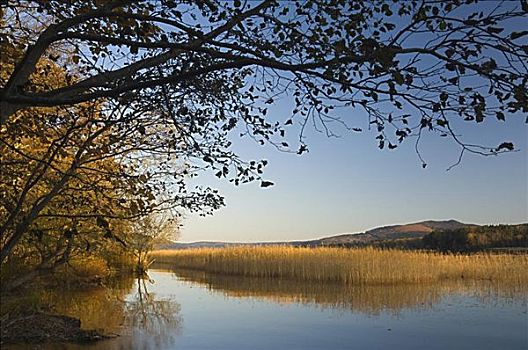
[{"x": 348, "y": 266}]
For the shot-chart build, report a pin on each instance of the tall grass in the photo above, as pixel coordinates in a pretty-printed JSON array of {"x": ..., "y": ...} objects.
[{"x": 348, "y": 266}]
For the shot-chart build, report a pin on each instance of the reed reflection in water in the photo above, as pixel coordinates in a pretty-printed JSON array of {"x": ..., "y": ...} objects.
[{"x": 372, "y": 300}]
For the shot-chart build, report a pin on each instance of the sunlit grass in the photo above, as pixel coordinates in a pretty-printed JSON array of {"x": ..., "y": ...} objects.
[{"x": 348, "y": 266}]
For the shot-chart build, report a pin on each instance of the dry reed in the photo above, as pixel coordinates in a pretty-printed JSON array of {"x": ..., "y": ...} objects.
[{"x": 348, "y": 266}]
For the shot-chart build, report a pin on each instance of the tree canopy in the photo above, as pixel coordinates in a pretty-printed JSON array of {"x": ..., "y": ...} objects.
[{"x": 409, "y": 65}]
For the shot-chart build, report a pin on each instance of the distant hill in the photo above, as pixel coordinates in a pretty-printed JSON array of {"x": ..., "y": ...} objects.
[
  {"x": 380, "y": 234},
  {"x": 405, "y": 231}
]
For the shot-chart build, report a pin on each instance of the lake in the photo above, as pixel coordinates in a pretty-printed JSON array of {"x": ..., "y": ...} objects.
[{"x": 181, "y": 309}]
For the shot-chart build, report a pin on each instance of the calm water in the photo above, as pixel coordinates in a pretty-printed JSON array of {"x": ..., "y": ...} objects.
[{"x": 193, "y": 310}]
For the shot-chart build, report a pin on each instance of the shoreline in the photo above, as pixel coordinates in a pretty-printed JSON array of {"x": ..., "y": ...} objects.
[{"x": 41, "y": 327}]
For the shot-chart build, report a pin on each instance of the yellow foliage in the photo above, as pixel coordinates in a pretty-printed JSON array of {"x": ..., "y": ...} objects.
[{"x": 90, "y": 266}]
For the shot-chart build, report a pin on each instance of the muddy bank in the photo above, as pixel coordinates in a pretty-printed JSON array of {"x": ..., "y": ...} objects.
[{"x": 39, "y": 327}]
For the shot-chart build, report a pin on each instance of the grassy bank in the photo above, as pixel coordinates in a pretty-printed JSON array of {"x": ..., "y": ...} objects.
[{"x": 348, "y": 266}]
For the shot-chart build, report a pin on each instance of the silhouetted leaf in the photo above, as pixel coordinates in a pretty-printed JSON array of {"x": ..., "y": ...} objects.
[
  {"x": 494, "y": 30},
  {"x": 505, "y": 146},
  {"x": 517, "y": 35},
  {"x": 302, "y": 149},
  {"x": 266, "y": 184}
]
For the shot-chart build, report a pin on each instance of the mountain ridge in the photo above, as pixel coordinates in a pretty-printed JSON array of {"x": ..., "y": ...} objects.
[{"x": 378, "y": 234}]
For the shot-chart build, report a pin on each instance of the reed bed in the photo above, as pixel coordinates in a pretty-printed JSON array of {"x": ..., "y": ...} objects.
[{"x": 348, "y": 266}]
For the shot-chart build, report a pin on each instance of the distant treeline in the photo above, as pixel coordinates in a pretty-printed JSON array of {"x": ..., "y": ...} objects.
[
  {"x": 475, "y": 238},
  {"x": 467, "y": 239}
]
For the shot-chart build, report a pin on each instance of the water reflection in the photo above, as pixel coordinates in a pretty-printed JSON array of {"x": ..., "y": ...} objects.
[
  {"x": 101, "y": 308},
  {"x": 229, "y": 312},
  {"x": 367, "y": 299},
  {"x": 149, "y": 317},
  {"x": 126, "y": 308}
]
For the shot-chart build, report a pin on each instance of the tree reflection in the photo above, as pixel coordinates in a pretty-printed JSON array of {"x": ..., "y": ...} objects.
[
  {"x": 126, "y": 308},
  {"x": 100, "y": 308},
  {"x": 153, "y": 322}
]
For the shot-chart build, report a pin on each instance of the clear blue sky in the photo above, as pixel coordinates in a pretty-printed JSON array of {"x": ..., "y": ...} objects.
[{"x": 348, "y": 185}]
